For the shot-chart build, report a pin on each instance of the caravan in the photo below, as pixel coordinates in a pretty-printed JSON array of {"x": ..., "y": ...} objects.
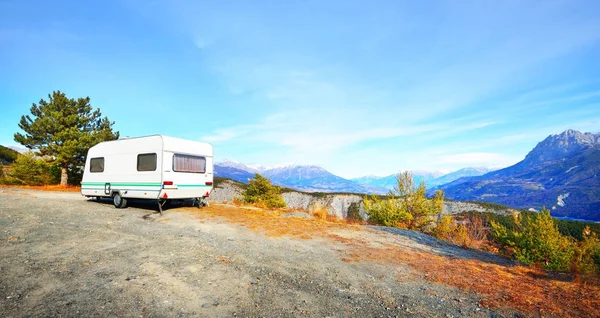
[{"x": 154, "y": 167}]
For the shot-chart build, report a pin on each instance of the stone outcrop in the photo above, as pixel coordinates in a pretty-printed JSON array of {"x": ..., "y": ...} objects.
[
  {"x": 225, "y": 192},
  {"x": 338, "y": 205}
]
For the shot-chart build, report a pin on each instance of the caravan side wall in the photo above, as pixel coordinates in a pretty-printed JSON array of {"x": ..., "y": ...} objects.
[
  {"x": 120, "y": 169},
  {"x": 187, "y": 183}
]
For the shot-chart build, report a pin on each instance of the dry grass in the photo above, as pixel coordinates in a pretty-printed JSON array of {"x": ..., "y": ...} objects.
[
  {"x": 58, "y": 188},
  {"x": 270, "y": 223},
  {"x": 319, "y": 212},
  {"x": 526, "y": 289}
]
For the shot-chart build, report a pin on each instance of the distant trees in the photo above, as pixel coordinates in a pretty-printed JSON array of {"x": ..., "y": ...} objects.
[
  {"x": 261, "y": 192},
  {"x": 535, "y": 239},
  {"x": 61, "y": 130},
  {"x": 407, "y": 206}
]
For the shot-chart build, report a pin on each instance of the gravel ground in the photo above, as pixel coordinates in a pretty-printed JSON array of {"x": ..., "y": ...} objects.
[{"x": 64, "y": 256}]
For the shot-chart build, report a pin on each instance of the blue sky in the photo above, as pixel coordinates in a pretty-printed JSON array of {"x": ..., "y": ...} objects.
[{"x": 358, "y": 87}]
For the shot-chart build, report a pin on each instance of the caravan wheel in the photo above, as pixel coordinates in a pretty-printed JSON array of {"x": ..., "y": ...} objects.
[{"x": 119, "y": 201}]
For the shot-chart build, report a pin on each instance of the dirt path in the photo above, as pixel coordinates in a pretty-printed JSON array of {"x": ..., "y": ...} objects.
[{"x": 63, "y": 255}]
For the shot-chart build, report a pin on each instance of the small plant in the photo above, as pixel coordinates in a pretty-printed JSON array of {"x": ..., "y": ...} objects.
[
  {"x": 319, "y": 212},
  {"x": 354, "y": 213},
  {"x": 477, "y": 232},
  {"x": 262, "y": 193},
  {"x": 237, "y": 201},
  {"x": 469, "y": 232},
  {"x": 406, "y": 206}
]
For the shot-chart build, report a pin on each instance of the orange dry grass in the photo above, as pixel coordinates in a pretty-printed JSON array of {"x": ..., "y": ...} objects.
[
  {"x": 519, "y": 287},
  {"x": 46, "y": 187},
  {"x": 525, "y": 289},
  {"x": 270, "y": 222}
]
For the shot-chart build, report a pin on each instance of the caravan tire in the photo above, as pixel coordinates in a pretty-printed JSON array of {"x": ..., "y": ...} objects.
[{"x": 119, "y": 201}]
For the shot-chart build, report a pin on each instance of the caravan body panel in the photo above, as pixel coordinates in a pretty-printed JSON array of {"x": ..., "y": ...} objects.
[{"x": 144, "y": 168}]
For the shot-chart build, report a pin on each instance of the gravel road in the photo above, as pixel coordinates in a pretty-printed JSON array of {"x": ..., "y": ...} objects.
[{"x": 64, "y": 256}]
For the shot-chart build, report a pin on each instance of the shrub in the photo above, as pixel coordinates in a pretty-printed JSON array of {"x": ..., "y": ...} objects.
[
  {"x": 236, "y": 201},
  {"x": 536, "y": 240},
  {"x": 469, "y": 233},
  {"x": 319, "y": 212},
  {"x": 8, "y": 180},
  {"x": 32, "y": 170},
  {"x": 586, "y": 257},
  {"x": 406, "y": 206},
  {"x": 354, "y": 212},
  {"x": 262, "y": 193}
]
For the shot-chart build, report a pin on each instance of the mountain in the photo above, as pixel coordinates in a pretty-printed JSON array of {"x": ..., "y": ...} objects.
[
  {"x": 314, "y": 178},
  {"x": 232, "y": 173},
  {"x": 237, "y": 165},
  {"x": 431, "y": 178},
  {"x": 299, "y": 177},
  {"x": 562, "y": 173},
  {"x": 387, "y": 182},
  {"x": 464, "y": 172}
]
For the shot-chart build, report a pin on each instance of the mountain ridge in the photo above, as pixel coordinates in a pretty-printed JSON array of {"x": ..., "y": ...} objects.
[
  {"x": 562, "y": 172},
  {"x": 316, "y": 178}
]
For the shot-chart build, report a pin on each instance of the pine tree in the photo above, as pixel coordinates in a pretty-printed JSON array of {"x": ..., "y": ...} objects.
[
  {"x": 407, "y": 206},
  {"x": 61, "y": 130}
]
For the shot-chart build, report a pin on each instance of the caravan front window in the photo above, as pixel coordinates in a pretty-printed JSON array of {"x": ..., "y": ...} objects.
[
  {"x": 146, "y": 162},
  {"x": 187, "y": 163},
  {"x": 97, "y": 165}
]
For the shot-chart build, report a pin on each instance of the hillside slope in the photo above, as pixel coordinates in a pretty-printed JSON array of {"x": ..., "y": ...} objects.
[
  {"x": 7, "y": 155},
  {"x": 562, "y": 173}
]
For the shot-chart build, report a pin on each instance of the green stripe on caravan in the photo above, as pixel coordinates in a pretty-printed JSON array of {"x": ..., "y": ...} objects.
[{"x": 124, "y": 184}]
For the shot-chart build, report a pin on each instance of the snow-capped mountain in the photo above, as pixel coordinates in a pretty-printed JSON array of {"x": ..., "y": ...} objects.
[
  {"x": 431, "y": 179},
  {"x": 464, "y": 172},
  {"x": 300, "y": 177}
]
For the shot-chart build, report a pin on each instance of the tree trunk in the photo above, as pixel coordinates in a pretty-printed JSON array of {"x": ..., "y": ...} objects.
[{"x": 63, "y": 177}]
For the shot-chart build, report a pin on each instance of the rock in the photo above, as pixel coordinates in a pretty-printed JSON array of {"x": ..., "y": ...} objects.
[{"x": 297, "y": 214}]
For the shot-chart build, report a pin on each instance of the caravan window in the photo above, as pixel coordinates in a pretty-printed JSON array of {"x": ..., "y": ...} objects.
[
  {"x": 186, "y": 163},
  {"x": 146, "y": 162},
  {"x": 97, "y": 165}
]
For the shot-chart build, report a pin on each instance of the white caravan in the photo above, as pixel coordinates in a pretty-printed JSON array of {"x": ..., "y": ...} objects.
[{"x": 153, "y": 167}]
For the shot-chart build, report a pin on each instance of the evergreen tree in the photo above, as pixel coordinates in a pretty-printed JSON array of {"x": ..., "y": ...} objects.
[
  {"x": 261, "y": 191},
  {"x": 536, "y": 240},
  {"x": 407, "y": 206},
  {"x": 61, "y": 130}
]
